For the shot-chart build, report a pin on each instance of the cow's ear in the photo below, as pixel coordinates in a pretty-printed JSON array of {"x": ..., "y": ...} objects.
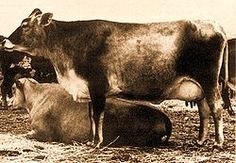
[
  {"x": 18, "y": 83},
  {"x": 35, "y": 12},
  {"x": 46, "y": 19}
]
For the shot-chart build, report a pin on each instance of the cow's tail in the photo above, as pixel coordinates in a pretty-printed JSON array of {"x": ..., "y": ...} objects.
[
  {"x": 224, "y": 78},
  {"x": 224, "y": 68}
]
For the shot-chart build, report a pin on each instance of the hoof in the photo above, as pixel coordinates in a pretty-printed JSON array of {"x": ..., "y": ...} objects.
[
  {"x": 30, "y": 135},
  {"x": 218, "y": 146},
  {"x": 97, "y": 146},
  {"x": 201, "y": 143},
  {"x": 90, "y": 143},
  {"x": 164, "y": 139}
]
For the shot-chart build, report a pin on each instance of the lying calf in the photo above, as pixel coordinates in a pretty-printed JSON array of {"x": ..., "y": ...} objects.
[{"x": 55, "y": 116}]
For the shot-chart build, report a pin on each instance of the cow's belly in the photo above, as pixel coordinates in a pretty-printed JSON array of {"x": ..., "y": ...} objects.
[
  {"x": 140, "y": 87},
  {"x": 167, "y": 87},
  {"x": 141, "y": 84},
  {"x": 74, "y": 85}
]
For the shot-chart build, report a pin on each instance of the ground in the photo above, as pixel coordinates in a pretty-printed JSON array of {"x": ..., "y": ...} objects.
[{"x": 181, "y": 147}]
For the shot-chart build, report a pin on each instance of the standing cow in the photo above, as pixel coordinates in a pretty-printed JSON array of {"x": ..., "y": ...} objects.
[
  {"x": 59, "y": 118},
  {"x": 152, "y": 62}
]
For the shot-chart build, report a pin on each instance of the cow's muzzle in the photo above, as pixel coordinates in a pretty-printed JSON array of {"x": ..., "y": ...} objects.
[{"x": 7, "y": 45}]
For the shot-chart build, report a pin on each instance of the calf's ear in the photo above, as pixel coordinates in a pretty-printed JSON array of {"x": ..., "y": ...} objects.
[
  {"x": 18, "y": 83},
  {"x": 46, "y": 19}
]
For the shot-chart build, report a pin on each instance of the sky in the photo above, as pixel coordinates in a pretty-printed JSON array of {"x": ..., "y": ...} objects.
[{"x": 12, "y": 12}]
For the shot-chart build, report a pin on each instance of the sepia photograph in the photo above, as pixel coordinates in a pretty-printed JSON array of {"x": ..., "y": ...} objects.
[{"x": 112, "y": 81}]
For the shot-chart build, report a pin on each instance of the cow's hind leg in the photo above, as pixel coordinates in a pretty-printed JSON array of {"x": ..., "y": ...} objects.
[
  {"x": 190, "y": 90},
  {"x": 216, "y": 112},
  {"x": 204, "y": 113}
]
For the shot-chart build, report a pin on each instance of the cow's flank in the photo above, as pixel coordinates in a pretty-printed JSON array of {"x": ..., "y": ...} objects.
[{"x": 136, "y": 61}]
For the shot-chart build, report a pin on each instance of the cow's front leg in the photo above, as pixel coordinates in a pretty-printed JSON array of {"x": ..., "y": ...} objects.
[
  {"x": 98, "y": 116},
  {"x": 204, "y": 113},
  {"x": 93, "y": 126},
  {"x": 98, "y": 86}
]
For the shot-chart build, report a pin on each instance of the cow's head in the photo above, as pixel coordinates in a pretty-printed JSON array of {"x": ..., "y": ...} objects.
[{"x": 30, "y": 34}]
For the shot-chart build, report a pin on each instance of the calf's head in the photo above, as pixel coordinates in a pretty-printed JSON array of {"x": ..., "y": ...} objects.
[
  {"x": 23, "y": 93},
  {"x": 30, "y": 34}
]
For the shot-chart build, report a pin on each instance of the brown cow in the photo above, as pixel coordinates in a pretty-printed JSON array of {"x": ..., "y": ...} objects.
[
  {"x": 55, "y": 116},
  {"x": 155, "y": 61}
]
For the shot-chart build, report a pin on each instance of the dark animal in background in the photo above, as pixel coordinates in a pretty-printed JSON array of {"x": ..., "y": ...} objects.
[
  {"x": 9, "y": 78},
  {"x": 7, "y": 59},
  {"x": 44, "y": 70},
  {"x": 153, "y": 62},
  {"x": 60, "y": 118},
  {"x": 41, "y": 68}
]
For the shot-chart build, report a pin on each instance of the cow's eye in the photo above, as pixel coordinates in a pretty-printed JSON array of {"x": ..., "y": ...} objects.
[{"x": 25, "y": 22}]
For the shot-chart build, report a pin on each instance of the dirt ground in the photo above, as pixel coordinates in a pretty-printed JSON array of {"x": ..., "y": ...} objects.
[{"x": 181, "y": 147}]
